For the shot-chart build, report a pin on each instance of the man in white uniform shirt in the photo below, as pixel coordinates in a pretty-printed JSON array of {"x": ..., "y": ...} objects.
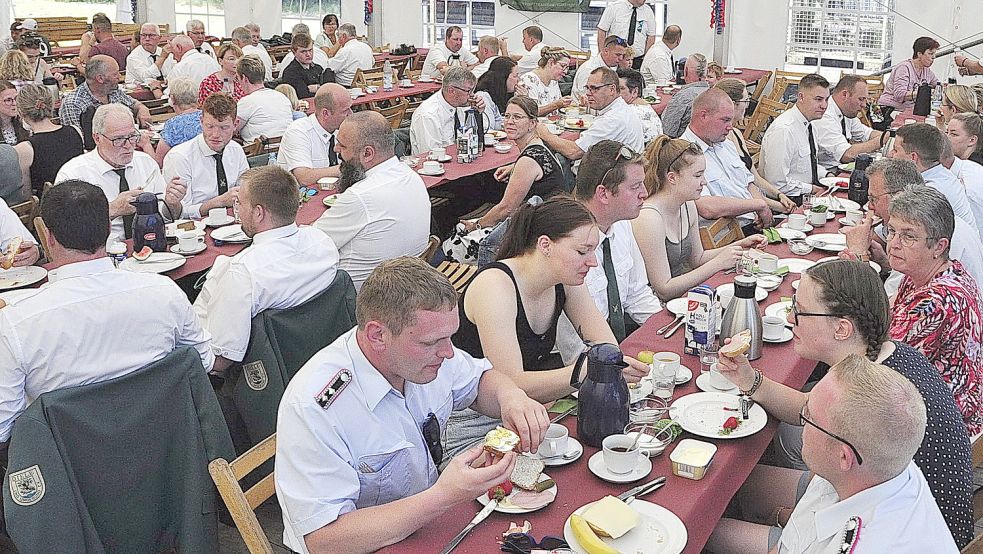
[
  {"x": 970, "y": 174},
  {"x": 353, "y": 55},
  {"x": 384, "y": 209},
  {"x": 634, "y": 21},
  {"x": 788, "y": 150},
  {"x": 242, "y": 37},
  {"x": 730, "y": 190},
  {"x": 359, "y": 426},
  {"x": 119, "y": 171},
  {"x": 611, "y": 56},
  {"x": 616, "y": 120},
  {"x": 658, "y": 65},
  {"x": 11, "y": 227},
  {"x": 262, "y": 111},
  {"x": 307, "y": 149},
  {"x": 867, "y": 495},
  {"x": 449, "y": 54},
  {"x": 191, "y": 64},
  {"x": 532, "y": 42},
  {"x": 840, "y": 135},
  {"x": 320, "y": 58},
  {"x": 195, "y": 30},
  {"x": 923, "y": 144},
  {"x": 210, "y": 165},
  {"x": 148, "y": 63},
  {"x": 434, "y": 124},
  {"x": 488, "y": 50},
  {"x": 286, "y": 265},
  {"x": 91, "y": 322},
  {"x": 611, "y": 185}
]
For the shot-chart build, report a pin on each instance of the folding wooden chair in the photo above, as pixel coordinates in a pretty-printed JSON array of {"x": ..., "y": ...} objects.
[
  {"x": 41, "y": 230},
  {"x": 457, "y": 273},
  {"x": 242, "y": 505},
  {"x": 721, "y": 233},
  {"x": 395, "y": 114},
  {"x": 766, "y": 112},
  {"x": 759, "y": 87},
  {"x": 26, "y": 211}
]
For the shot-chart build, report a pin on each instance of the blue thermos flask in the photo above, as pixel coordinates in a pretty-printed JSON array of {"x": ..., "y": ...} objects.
[
  {"x": 148, "y": 224},
  {"x": 603, "y": 400}
]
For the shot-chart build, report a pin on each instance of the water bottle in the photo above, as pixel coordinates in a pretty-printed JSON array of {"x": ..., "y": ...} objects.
[
  {"x": 742, "y": 313},
  {"x": 463, "y": 143},
  {"x": 474, "y": 138},
  {"x": 858, "y": 180},
  {"x": 117, "y": 252},
  {"x": 271, "y": 160},
  {"x": 387, "y": 76}
]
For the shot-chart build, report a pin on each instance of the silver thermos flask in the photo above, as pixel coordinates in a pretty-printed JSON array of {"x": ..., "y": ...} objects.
[{"x": 742, "y": 313}]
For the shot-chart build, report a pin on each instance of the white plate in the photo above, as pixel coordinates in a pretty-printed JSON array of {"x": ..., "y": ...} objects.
[
  {"x": 845, "y": 223},
  {"x": 158, "y": 262},
  {"x": 786, "y": 336},
  {"x": 219, "y": 222},
  {"x": 431, "y": 174},
  {"x": 171, "y": 230},
  {"x": 873, "y": 264},
  {"x": 443, "y": 159},
  {"x": 512, "y": 509},
  {"x": 224, "y": 233},
  {"x": 597, "y": 467},
  {"x": 677, "y": 306},
  {"x": 703, "y": 383},
  {"x": 177, "y": 249},
  {"x": 573, "y": 445},
  {"x": 759, "y": 293},
  {"x": 795, "y": 284},
  {"x": 780, "y": 309},
  {"x": 330, "y": 199},
  {"x": 17, "y": 277},
  {"x": 644, "y": 388},
  {"x": 805, "y": 228},
  {"x": 769, "y": 282},
  {"x": 796, "y": 265},
  {"x": 835, "y": 181},
  {"x": 830, "y": 242},
  {"x": 703, "y": 414},
  {"x": 787, "y": 233},
  {"x": 659, "y": 531},
  {"x": 841, "y": 205}
]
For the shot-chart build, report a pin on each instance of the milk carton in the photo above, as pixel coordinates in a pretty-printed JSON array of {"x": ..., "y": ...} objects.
[{"x": 701, "y": 318}]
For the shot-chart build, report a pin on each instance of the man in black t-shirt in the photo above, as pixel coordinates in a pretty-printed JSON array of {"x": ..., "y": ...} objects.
[{"x": 302, "y": 73}]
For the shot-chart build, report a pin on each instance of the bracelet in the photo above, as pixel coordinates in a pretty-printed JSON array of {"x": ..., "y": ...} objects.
[
  {"x": 758, "y": 378},
  {"x": 778, "y": 517},
  {"x": 863, "y": 257}
]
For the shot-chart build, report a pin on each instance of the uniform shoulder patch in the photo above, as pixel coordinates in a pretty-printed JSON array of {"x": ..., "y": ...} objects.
[
  {"x": 334, "y": 387},
  {"x": 27, "y": 486},
  {"x": 255, "y": 374}
]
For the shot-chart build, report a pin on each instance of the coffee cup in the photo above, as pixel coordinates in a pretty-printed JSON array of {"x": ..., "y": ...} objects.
[
  {"x": 665, "y": 364},
  {"x": 817, "y": 218},
  {"x": 773, "y": 327},
  {"x": 217, "y": 214},
  {"x": 438, "y": 153},
  {"x": 189, "y": 241},
  {"x": 768, "y": 263},
  {"x": 717, "y": 379},
  {"x": 405, "y": 83},
  {"x": 853, "y": 217},
  {"x": 489, "y": 139},
  {"x": 618, "y": 455},
  {"x": 555, "y": 442},
  {"x": 797, "y": 222},
  {"x": 432, "y": 166}
]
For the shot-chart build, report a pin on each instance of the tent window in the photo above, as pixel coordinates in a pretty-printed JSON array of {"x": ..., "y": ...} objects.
[
  {"x": 475, "y": 17},
  {"x": 310, "y": 13},
  {"x": 831, "y": 36}
]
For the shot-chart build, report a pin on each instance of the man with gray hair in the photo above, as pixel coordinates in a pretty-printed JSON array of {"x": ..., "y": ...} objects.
[
  {"x": 353, "y": 55},
  {"x": 191, "y": 63},
  {"x": 149, "y": 63},
  {"x": 488, "y": 49},
  {"x": 243, "y": 38},
  {"x": 195, "y": 30},
  {"x": 383, "y": 210},
  {"x": 679, "y": 110},
  {"x": 434, "y": 122},
  {"x": 101, "y": 87},
  {"x": 307, "y": 149},
  {"x": 320, "y": 58},
  {"x": 120, "y": 171}
]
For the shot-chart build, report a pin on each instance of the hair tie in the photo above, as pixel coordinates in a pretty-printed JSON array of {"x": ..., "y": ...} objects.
[{"x": 40, "y": 105}]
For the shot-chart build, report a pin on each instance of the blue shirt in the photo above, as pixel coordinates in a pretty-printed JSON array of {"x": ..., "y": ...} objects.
[{"x": 181, "y": 128}]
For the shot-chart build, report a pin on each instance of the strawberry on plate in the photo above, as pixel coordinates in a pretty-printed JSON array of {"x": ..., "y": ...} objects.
[{"x": 500, "y": 491}]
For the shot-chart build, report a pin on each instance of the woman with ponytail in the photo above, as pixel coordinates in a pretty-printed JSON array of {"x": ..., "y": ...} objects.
[
  {"x": 667, "y": 229},
  {"x": 509, "y": 311},
  {"x": 50, "y": 145}
]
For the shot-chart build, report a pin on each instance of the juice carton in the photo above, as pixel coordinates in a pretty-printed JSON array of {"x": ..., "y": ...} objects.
[{"x": 701, "y": 318}]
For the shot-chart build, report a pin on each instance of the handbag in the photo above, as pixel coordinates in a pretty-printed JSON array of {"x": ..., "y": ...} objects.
[{"x": 462, "y": 246}]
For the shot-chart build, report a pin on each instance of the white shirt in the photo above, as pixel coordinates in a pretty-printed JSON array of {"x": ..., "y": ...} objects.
[
  {"x": 206, "y": 48},
  {"x": 142, "y": 171},
  {"x": 432, "y": 124},
  {"x": 543, "y": 93},
  {"x": 616, "y": 18},
  {"x": 192, "y": 161},
  {"x": 11, "y": 227},
  {"x": 283, "y": 268},
  {"x": 320, "y": 58},
  {"x": 618, "y": 121},
  {"x": 579, "y": 87},
  {"x": 726, "y": 174},
  {"x": 305, "y": 144},
  {"x": 439, "y": 53},
  {"x": 482, "y": 67},
  {"x": 89, "y": 323},
  {"x": 195, "y": 66},
  {"x": 262, "y": 54},
  {"x": 530, "y": 58},
  {"x": 384, "y": 216},
  {"x": 944, "y": 181},
  {"x": 657, "y": 67},
  {"x": 970, "y": 174},
  {"x": 264, "y": 112},
  {"x": 140, "y": 68},
  {"x": 785, "y": 158},
  {"x": 830, "y": 141},
  {"x": 965, "y": 247},
  {"x": 366, "y": 448},
  {"x": 637, "y": 298},
  {"x": 899, "y": 515},
  {"x": 351, "y": 57}
]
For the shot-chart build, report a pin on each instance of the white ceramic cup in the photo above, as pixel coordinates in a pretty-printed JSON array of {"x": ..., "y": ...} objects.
[
  {"x": 853, "y": 217},
  {"x": 405, "y": 83},
  {"x": 665, "y": 364},
  {"x": 797, "y": 221},
  {"x": 717, "y": 379},
  {"x": 768, "y": 263},
  {"x": 438, "y": 153},
  {"x": 773, "y": 327},
  {"x": 817, "y": 218},
  {"x": 217, "y": 214},
  {"x": 489, "y": 139},
  {"x": 556, "y": 441},
  {"x": 189, "y": 241},
  {"x": 620, "y": 462},
  {"x": 432, "y": 166}
]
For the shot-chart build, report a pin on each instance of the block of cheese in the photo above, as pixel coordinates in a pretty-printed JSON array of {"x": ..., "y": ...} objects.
[{"x": 611, "y": 517}]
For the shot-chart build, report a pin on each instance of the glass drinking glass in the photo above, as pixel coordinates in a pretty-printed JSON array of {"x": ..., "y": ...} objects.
[
  {"x": 807, "y": 201},
  {"x": 708, "y": 356}
]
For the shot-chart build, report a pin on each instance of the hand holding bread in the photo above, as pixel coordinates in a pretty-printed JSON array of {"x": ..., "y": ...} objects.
[{"x": 734, "y": 365}]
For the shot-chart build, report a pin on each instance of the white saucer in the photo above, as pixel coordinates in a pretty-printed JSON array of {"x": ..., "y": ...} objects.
[
  {"x": 786, "y": 336},
  {"x": 573, "y": 445},
  {"x": 845, "y": 223},
  {"x": 805, "y": 228},
  {"x": 795, "y": 284},
  {"x": 177, "y": 249},
  {"x": 429, "y": 174},
  {"x": 213, "y": 223},
  {"x": 446, "y": 158},
  {"x": 683, "y": 375},
  {"x": 703, "y": 383},
  {"x": 597, "y": 467},
  {"x": 789, "y": 233}
]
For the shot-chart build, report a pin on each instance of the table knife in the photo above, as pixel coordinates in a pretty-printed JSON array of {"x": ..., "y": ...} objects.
[
  {"x": 635, "y": 490},
  {"x": 489, "y": 508},
  {"x": 651, "y": 487}
]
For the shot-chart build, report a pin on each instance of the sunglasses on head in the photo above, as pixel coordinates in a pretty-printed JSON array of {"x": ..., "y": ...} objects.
[
  {"x": 431, "y": 436},
  {"x": 524, "y": 543}
]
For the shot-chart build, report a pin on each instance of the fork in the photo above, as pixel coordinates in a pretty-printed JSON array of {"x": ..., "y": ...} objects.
[{"x": 666, "y": 327}]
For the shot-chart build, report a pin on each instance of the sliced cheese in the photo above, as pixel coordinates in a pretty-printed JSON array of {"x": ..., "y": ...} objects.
[{"x": 611, "y": 517}]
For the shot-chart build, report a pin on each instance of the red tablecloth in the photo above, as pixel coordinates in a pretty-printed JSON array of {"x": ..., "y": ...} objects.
[
  {"x": 418, "y": 88},
  {"x": 380, "y": 56},
  {"x": 747, "y": 74},
  {"x": 453, "y": 170}
]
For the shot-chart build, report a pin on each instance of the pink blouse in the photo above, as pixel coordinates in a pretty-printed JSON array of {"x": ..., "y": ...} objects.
[{"x": 904, "y": 79}]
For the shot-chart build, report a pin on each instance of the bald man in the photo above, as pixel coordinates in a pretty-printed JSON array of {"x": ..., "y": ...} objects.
[
  {"x": 307, "y": 149},
  {"x": 191, "y": 63},
  {"x": 384, "y": 209}
]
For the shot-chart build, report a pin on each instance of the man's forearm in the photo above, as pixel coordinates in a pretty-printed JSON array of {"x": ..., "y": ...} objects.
[
  {"x": 567, "y": 148},
  {"x": 308, "y": 176},
  {"x": 493, "y": 385},
  {"x": 715, "y": 207}
]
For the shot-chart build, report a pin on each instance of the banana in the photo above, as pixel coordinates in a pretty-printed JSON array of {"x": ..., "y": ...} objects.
[{"x": 588, "y": 540}]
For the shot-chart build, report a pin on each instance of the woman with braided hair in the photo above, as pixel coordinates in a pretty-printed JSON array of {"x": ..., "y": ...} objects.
[{"x": 839, "y": 309}]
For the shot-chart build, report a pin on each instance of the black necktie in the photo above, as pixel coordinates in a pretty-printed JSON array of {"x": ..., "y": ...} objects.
[
  {"x": 457, "y": 122},
  {"x": 124, "y": 187},
  {"x": 332, "y": 156},
  {"x": 220, "y": 178},
  {"x": 198, "y": 48},
  {"x": 153, "y": 60},
  {"x": 631, "y": 26},
  {"x": 616, "y": 314},
  {"x": 812, "y": 155},
  {"x": 843, "y": 126}
]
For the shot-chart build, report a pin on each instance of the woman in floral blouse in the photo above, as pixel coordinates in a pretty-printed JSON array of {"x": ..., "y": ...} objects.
[
  {"x": 542, "y": 83},
  {"x": 937, "y": 308},
  {"x": 225, "y": 79}
]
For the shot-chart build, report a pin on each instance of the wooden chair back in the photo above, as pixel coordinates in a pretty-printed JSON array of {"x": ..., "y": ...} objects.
[
  {"x": 242, "y": 504},
  {"x": 766, "y": 112},
  {"x": 395, "y": 114},
  {"x": 41, "y": 230},
  {"x": 262, "y": 145},
  {"x": 974, "y": 547},
  {"x": 368, "y": 77},
  {"x": 431, "y": 250},
  {"x": 411, "y": 107},
  {"x": 457, "y": 273},
  {"x": 759, "y": 87},
  {"x": 26, "y": 211},
  {"x": 579, "y": 56},
  {"x": 721, "y": 233}
]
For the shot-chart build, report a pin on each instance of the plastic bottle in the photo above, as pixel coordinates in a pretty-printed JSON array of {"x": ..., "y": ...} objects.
[{"x": 387, "y": 76}]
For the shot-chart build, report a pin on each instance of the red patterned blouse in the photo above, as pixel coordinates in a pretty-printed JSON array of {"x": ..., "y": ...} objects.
[{"x": 212, "y": 84}]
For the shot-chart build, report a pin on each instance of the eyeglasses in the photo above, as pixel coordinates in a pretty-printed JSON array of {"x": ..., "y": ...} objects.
[
  {"x": 462, "y": 89},
  {"x": 524, "y": 543},
  {"x": 119, "y": 142},
  {"x": 595, "y": 88},
  {"x": 431, "y": 436},
  {"x": 796, "y": 313},
  {"x": 148, "y": 35},
  {"x": 624, "y": 153},
  {"x": 10, "y": 101},
  {"x": 907, "y": 239},
  {"x": 803, "y": 420},
  {"x": 615, "y": 40},
  {"x": 514, "y": 117}
]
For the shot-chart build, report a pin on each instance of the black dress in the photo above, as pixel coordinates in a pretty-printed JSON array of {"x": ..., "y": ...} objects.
[
  {"x": 51, "y": 150},
  {"x": 552, "y": 181},
  {"x": 296, "y": 76}
]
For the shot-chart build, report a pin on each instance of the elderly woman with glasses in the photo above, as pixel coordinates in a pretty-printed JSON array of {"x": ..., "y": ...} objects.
[
  {"x": 839, "y": 310},
  {"x": 542, "y": 83}
]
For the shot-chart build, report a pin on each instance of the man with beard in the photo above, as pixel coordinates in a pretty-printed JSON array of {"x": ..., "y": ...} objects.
[
  {"x": 307, "y": 149},
  {"x": 286, "y": 265},
  {"x": 384, "y": 209}
]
